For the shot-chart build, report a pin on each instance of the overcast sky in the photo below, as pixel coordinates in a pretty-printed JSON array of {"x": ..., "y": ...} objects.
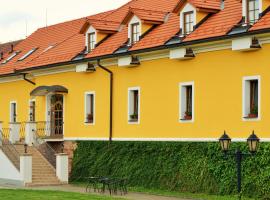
[{"x": 15, "y": 14}]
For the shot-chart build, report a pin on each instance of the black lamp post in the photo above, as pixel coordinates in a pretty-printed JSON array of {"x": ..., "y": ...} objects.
[{"x": 253, "y": 144}]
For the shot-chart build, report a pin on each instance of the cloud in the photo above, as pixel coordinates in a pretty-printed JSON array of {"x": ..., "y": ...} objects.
[{"x": 8, "y": 19}]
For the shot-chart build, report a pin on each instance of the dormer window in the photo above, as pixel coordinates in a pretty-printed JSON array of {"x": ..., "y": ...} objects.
[
  {"x": 187, "y": 19},
  {"x": 91, "y": 41},
  {"x": 188, "y": 22},
  {"x": 135, "y": 32},
  {"x": 253, "y": 11}
]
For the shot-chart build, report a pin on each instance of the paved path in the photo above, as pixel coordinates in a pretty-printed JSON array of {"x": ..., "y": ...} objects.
[{"x": 72, "y": 188}]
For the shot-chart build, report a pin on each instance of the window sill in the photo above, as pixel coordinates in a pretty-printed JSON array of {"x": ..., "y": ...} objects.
[
  {"x": 89, "y": 123},
  {"x": 247, "y": 118},
  {"x": 133, "y": 120}
]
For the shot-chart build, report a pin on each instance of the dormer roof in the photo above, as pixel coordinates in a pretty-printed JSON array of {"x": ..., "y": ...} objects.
[
  {"x": 211, "y": 6},
  {"x": 100, "y": 25},
  {"x": 146, "y": 16}
]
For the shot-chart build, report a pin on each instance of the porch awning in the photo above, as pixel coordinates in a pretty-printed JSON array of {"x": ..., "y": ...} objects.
[{"x": 44, "y": 90}]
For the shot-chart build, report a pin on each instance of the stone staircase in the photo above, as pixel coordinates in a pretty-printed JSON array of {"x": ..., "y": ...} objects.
[{"x": 43, "y": 173}]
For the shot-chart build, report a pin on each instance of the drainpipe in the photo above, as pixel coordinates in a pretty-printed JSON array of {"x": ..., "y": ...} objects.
[{"x": 111, "y": 97}]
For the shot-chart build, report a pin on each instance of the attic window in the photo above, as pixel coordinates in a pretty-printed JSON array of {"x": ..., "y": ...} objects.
[
  {"x": 10, "y": 57},
  {"x": 253, "y": 11},
  {"x": 135, "y": 32},
  {"x": 91, "y": 41},
  {"x": 27, "y": 54},
  {"x": 48, "y": 48},
  {"x": 188, "y": 22}
]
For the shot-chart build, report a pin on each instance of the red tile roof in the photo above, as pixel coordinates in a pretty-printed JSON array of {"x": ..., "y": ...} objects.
[
  {"x": 263, "y": 23},
  {"x": 146, "y": 15},
  {"x": 220, "y": 23},
  {"x": 211, "y": 5},
  {"x": 5, "y": 47},
  {"x": 67, "y": 41}
]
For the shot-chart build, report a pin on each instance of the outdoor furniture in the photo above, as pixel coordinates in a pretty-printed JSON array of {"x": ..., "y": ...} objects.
[{"x": 112, "y": 185}]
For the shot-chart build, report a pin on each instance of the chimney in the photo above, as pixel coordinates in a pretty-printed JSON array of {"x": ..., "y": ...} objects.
[{"x": 11, "y": 48}]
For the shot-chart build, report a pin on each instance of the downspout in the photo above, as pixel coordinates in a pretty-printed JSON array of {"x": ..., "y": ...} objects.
[
  {"x": 29, "y": 81},
  {"x": 111, "y": 98}
]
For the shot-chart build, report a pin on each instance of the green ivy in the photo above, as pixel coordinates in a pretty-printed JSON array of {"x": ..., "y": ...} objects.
[{"x": 176, "y": 166}]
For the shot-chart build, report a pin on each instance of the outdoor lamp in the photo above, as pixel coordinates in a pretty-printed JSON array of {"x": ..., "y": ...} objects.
[
  {"x": 225, "y": 142},
  {"x": 253, "y": 143}
]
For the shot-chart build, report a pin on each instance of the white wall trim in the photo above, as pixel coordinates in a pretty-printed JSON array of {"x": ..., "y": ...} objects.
[
  {"x": 85, "y": 139},
  {"x": 160, "y": 139},
  {"x": 187, "y": 8},
  {"x": 29, "y": 107},
  {"x": 85, "y": 107},
  {"x": 139, "y": 104},
  {"x": 244, "y": 97},
  {"x": 134, "y": 20},
  {"x": 90, "y": 30},
  {"x": 182, "y": 99},
  {"x": 10, "y": 111}
]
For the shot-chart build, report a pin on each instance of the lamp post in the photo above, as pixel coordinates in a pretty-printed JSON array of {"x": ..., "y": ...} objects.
[{"x": 253, "y": 143}]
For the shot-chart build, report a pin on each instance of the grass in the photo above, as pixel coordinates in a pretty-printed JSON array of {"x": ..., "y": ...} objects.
[
  {"x": 185, "y": 195},
  {"x": 6, "y": 194}
]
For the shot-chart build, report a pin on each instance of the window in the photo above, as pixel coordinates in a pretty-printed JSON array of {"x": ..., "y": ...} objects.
[
  {"x": 251, "y": 97},
  {"x": 91, "y": 41},
  {"x": 188, "y": 22},
  {"x": 48, "y": 48},
  {"x": 89, "y": 108},
  {"x": 13, "y": 111},
  {"x": 133, "y": 105},
  {"x": 135, "y": 33},
  {"x": 32, "y": 110},
  {"x": 186, "y": 102},
  {"x": 253, "y": 11},
  {"x": 10, "y": 57},
  {"x": 27, "y": 54}
]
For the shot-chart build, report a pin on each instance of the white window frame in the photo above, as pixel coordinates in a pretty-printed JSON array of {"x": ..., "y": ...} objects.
[
  {"x": 11, "y": 117},
  {"x": 188, "y": 8},
  {"x": 29, "y": 109},
  {"x": 246, "y": 96},
  {"x": 244, "y": 8},
  {"x": 130, "y": 89},
  {"x": 182, "y": 101},
  {"x": 134, "y": 20},
  {"x": 90, "y": 30},
  {"x": 86, "y": 94}
]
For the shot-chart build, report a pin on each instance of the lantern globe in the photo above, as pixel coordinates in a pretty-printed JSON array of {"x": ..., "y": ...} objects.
[
  {"x": 253, "y": 143},
  {"x": 225, "y": 142}
]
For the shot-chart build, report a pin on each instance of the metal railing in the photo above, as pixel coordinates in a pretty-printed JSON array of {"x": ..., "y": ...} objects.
[
  {"x": 43, "y": 128},
  {"x": 9, "y": 149},
  {"x": 45, "y": 149},
  {"x": 22, "y": 130}
]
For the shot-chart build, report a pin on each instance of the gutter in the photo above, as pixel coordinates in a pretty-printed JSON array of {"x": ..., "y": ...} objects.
[
  {"x": 162, "y": 47},
  {"x": 111, "y": 98}
]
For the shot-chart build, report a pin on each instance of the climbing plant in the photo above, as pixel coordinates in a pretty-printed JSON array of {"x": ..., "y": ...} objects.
[{"x": 175, "y": 166}]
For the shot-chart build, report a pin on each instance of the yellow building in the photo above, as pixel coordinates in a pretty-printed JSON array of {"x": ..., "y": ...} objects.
[{"x": 176, "y": 71}]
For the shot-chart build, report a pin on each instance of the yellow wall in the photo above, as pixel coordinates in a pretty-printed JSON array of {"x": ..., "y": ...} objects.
[
  {"x": 146, "y": 27},
  {"x": 101, "y": 36},
  {"x": 217, "y": 80},
  {"x": 265, "y": 4},
  {"x": 200, "y": 16}
]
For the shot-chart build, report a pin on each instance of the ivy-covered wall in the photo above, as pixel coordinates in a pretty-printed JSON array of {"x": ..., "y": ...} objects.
[{"x": 177, "y": 166}]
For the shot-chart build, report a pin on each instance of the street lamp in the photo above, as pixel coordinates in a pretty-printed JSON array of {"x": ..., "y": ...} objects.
[{"x": 253, "y": 144}]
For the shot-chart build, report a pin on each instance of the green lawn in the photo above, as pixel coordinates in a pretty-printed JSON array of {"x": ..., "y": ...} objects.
[
  {"x": 185, "y": 195},
  {"x": 48, "y": 195}
]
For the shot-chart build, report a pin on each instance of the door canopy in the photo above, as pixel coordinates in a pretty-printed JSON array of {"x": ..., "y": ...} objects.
[{"x": 44, "y": 90}]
